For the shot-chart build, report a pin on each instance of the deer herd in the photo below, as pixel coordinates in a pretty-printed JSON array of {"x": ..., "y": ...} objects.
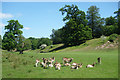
[{"x": 66, "y": 62}]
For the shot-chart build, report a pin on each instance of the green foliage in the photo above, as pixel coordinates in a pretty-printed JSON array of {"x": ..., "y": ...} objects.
[
  {"x": 46, "y": 41},
  {"x": 108, "y": 30},
  {"x": 0, "y": 42},
  {"x": 20, "y": 43},
  {"x": 34, "y": 42},
  {"x": 118, "y": 19},
  {"x": 9, "y": 42},
  {"x": 27, "y": 44},
  {"x": 112, "y": 37},
  {"x": 12, "y": 38},
  {"x": 56, "y": 36},
  {"x": 103, "y": 39},
  {"x": 110, "y": 21},
  {"x": 37, "y": 42},
  {"x": 94, "y": 21},
  {"x": 72, "y": 12},
  {"x": 75, "y": 34},
  {"x": 75, "y": 30},
  {"x": 111, "y": 26}
]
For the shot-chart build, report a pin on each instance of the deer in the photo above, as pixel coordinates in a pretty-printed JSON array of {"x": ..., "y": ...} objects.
[
  {"x": 67, "y": 60},
  {"x": 52, "y": 59},
  {"x": 67, "y": 64},
  {"x": 57, "y": 65},
  {"x": 90, "y": 65},
  {"x": 76, "y": 65},
  {"x": 37, "y": 61}
]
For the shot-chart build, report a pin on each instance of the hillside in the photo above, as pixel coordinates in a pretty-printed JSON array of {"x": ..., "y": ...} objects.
[
  {"x": 94, "y": 44},
  {"x": 15, "y": 65}
]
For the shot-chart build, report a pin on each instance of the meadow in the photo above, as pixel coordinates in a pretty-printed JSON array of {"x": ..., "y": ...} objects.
[{"x": 15, "y": 65}]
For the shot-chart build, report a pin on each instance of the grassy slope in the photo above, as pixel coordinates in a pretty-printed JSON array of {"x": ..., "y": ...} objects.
[{"x": 84, "y": 53}]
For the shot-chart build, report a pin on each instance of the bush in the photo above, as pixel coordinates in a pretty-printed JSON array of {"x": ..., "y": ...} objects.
[
  {"x": 112, "y": 37},
  {"x": 103, "y": 39}
]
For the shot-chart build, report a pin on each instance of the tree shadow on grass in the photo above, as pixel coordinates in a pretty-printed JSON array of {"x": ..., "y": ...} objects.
[{"x": 58, "y": 48}]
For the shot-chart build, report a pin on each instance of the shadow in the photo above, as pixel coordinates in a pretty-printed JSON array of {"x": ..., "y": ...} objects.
[{"x": 58, "y": 48}]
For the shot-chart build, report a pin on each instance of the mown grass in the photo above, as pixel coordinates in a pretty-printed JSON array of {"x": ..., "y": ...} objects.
[
  {"x": 15, "y": 65},
  {"x": 22, "y": 66}
]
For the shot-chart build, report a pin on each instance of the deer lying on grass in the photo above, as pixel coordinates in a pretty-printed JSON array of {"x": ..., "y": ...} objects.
[
  {"x": 67, "y": 64},
  {"x": 90, "y": 65},
  {"x": 37, "y": 61},
  {"x": 76, "y": 65},
  {"x": 57, "y": 65},
  {"x": 67, "y": 60}
]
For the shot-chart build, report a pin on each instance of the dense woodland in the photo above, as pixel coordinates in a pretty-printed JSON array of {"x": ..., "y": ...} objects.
[{"x": 78, "y": 28}]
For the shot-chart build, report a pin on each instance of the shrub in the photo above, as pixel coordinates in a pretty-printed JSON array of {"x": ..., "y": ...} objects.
[
  {"x": 103, "y": 39},
  {"x": 112, "y": 37}
]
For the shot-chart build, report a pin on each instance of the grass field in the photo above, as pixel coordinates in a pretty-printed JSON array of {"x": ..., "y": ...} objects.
[{"x": 15, "y": 65}]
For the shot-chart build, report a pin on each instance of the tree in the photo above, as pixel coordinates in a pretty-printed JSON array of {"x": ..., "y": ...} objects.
[
  {"x": 27, "y": 44},
  {"x": 12, "y": 38},
  {"x": 34, "y": 43},
  {"x": 46, "y": 41},
  {"x": 108, "y": 30},
  {"x": 72, "y": 12},
  {"x": 118, "y": 19},
  {"x": 20, "y": 43},
  {"x": 75, "y": 30},
  {"x": 110, "y": 21},
  {"x": 74, "y": 34},
  {"x": 0, "y": 42},
  {"x": 56, "y": 36},
  {"x": 118, "y": 13},
  {"x": 93, "y": 17},
  {"x": 8, "y": 42}
]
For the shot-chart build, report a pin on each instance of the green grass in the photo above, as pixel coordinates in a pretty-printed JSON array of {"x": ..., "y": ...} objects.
[{"x": 85, "y": 53}]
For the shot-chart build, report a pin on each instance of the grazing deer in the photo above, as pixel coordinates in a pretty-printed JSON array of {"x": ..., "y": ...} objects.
[
  {"x": 49, "y": 63},
  {"x": 52, "y": 59},
  {"x": 37, "y": 61},
  {"x": 45, "y": 62},
  {"x": 90, "y": 65},
  {"x": 42, "y": 64},
  {"x": 67, "y": 60}
]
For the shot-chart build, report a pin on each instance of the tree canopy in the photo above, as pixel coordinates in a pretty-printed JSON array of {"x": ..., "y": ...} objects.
[
  {"x": 75, "y": 30},
  {"x": 13, "y": 36}
]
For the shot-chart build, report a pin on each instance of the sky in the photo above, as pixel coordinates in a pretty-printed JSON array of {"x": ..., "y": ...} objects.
[{"x": 39, "y": 18}]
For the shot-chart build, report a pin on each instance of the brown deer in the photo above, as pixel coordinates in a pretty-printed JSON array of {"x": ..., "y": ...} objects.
[
  {"x": 67, "y": 60},
  {"x": 76, "y": 65},
  {"x": 57, "y": 65},
  {"x": 37, "y": 61},
  {"x": 90, "y": 65},
  {"x": 52, "y": 59}
]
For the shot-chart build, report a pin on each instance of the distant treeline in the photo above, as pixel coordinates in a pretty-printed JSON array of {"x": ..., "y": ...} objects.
[{"x": 78, "y": 28}]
